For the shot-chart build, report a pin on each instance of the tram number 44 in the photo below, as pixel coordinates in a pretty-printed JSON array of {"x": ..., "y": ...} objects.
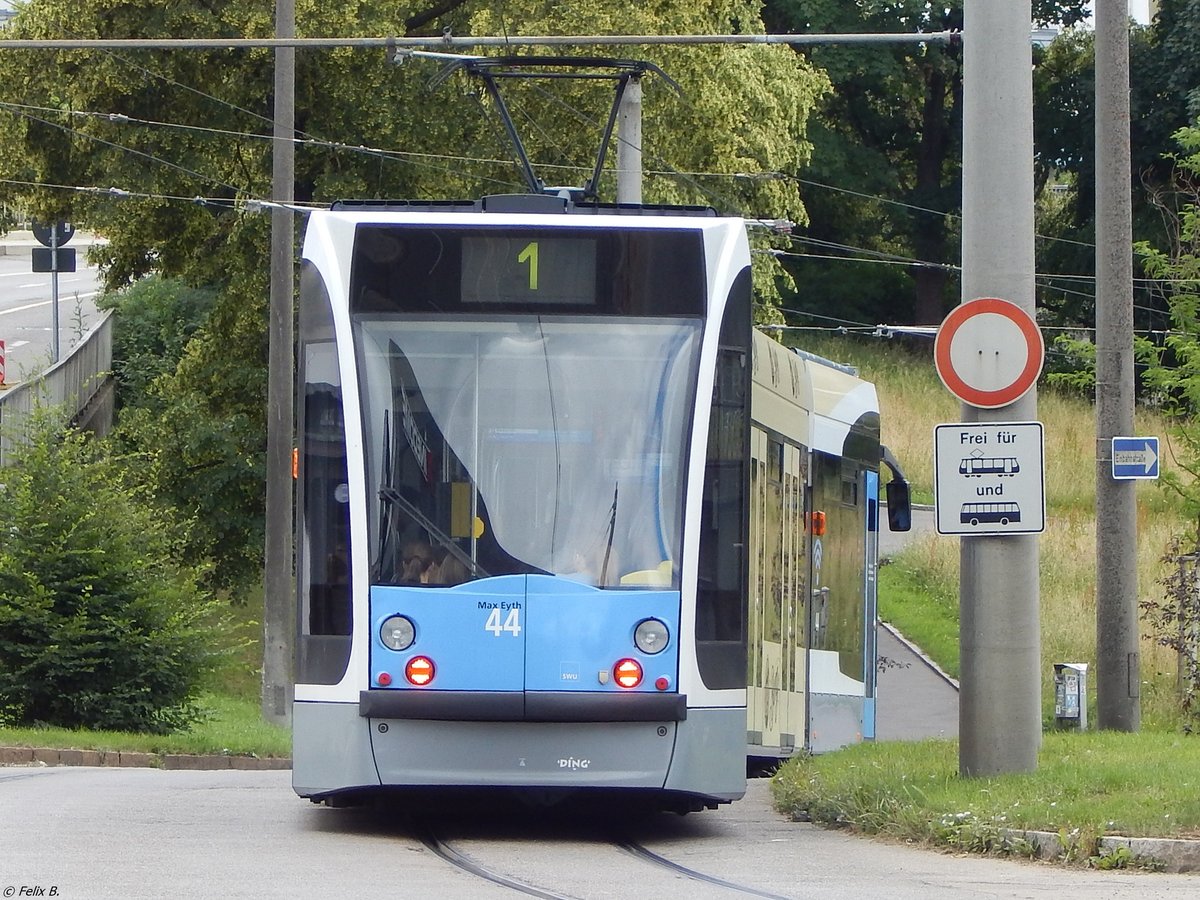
[{"x": 511, "y": 624}]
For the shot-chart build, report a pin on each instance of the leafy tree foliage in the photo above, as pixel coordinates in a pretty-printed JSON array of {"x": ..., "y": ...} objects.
[
  {"x": 98, "y": 627},
  {"x": 155, "y": 318},
  {"x": 201, "y": 430},
  {"x": 743, "y": 110},
  {"x": 1164, "y": 97},
  {"x": 1174, "y": 369},
  {"x": 166, "y": 127},
  {"x": 888, "y": 143}
]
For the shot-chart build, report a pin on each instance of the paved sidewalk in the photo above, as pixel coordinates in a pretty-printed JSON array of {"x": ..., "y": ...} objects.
[
  {"x": 914, "y": 698},
  {"x": 42, "y": 756}
]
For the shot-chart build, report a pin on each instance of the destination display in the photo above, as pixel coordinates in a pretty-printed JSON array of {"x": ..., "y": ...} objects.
[{"x": 536, "y": 270}]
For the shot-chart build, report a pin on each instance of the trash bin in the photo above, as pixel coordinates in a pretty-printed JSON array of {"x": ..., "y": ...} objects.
[{"x": 1070, "y": 695}]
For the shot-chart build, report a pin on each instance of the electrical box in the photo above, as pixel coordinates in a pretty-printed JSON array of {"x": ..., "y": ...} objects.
[{"x": 1070, "y": 695}]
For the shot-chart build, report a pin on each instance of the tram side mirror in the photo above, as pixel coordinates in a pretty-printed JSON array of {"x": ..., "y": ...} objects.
[{"x": 899, "y": 506}]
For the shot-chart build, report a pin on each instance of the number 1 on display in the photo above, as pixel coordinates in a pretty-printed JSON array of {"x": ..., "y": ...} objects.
[{"x": 530, "y": 255}]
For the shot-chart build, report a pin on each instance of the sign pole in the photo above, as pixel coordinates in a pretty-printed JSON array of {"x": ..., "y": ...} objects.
[
  {"x": 1000, "y": 714},
  {"x": 54, "y": 292}
]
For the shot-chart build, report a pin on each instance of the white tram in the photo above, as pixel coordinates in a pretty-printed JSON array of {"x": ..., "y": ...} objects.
[{"x": 565, "y": 521}]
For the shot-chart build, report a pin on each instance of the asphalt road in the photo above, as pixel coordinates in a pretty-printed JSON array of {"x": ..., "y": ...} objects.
[
  {"x": 94, "y": 834},
  {"x": 25, "y": 312}
]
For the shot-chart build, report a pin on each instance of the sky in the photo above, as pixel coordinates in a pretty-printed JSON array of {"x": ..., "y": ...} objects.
[{"x": 1140, "y": 10}]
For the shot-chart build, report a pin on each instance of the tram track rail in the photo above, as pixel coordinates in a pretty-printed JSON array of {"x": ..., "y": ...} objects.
[
  {"x": 638, "y": 851},
  {"x": 445, "y": 850}
]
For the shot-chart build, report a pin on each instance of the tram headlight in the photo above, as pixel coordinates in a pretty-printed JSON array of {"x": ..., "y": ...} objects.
[
  {"x": 397, "y": 632},
  {"x": 651, "y": 636}
]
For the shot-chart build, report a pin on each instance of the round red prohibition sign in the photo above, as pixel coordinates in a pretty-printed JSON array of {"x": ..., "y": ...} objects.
[{"x": 988, "y": 352}]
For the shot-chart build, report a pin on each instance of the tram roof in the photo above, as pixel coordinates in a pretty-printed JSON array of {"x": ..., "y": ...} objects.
[{"x": 545, "y": 204}]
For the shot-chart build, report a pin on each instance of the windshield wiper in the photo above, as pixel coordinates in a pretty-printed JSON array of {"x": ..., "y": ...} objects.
[{"x": 612, "y": 530}]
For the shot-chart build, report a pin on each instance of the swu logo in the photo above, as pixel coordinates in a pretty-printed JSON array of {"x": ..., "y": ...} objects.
[{"x": 572, "y": 763}]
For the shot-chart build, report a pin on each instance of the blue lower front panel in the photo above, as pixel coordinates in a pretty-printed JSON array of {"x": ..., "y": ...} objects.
[
  {"x": 524, "y": 694},
  {"x": 517, "y": 633}
]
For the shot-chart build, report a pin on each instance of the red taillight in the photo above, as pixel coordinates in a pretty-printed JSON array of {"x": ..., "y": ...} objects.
[
  {"x": 419, "y": 670},
  {"x": 628, "y": 673},
  {"x": 383, "y": 679}
]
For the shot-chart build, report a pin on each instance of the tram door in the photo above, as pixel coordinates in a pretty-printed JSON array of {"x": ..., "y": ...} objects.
[
  {"x": 871, "y": 599},
  {"x": 838, "y": 682},
  {"x": 777, "y": 621}
]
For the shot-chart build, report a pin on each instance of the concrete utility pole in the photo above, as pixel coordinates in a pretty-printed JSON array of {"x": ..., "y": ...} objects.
[
  {"x": 629, "y": 144},
  {"x": 1118, "y": 676},
  {"x": 1000, "y": 709},
  {"x": 278, "y": 583}
]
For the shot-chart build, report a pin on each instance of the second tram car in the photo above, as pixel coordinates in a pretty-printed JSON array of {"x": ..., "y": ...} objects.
[{"x": 565, "y": 521}]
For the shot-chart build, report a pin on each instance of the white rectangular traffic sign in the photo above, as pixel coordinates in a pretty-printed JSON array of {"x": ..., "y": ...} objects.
[
  {"x": 989, "y": 478},
  {"x": 1134, "y": 457}
]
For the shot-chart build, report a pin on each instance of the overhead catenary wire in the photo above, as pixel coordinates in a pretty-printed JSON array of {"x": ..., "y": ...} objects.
[
  {"x": 23, "y": 110},
  {"x": 412, "y": 46},
  {"x": 843, "y": 326},
  {"x": 404, "y": 47},
  {"x": 419, "y": 158}
]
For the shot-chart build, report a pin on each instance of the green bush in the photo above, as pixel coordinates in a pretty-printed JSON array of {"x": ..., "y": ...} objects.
[
  {"x": 99, "y": 628},
  {"x": 154, "y": 319},
  {"x": 200, "y": 430}
]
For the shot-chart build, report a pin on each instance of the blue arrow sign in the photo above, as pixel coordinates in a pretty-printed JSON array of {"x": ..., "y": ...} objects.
[{"x": 1134, "y": 457}]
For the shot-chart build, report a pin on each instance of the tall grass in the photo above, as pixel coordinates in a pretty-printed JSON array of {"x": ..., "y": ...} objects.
[
  {"x": 919, "y": 592},
  {"x": 1095, "y": 783}
]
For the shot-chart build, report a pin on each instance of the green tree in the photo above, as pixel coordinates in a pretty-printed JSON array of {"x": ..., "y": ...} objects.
[
  {"x": 1164, "y": 97},
  {"x": 155, "y": 318},
  {"x": 888, "y": 141},
  {"x": 1173, "y": 373},
  {"x": 201, "y": 430},
  {"x": 99, "y": 628},
  {"x": 81, "y": 119},
  {"x": 1173, "y": 370},
  {"x": 182, "y": 205}
]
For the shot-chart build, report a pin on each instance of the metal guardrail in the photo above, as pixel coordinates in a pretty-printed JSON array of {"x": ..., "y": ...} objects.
[{"x": 75, "y": 384}]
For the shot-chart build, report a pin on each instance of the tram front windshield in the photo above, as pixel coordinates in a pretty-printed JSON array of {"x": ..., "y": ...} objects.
[{"x": 527, "y": 444}]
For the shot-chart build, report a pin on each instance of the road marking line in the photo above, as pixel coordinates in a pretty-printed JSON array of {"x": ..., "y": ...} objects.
[{"x": 61, "y": 300}]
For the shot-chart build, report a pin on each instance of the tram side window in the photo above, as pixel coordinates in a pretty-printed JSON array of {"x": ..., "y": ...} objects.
[
  {"x": 323, "y": 542},
  {"x": 838, "y": 621},
  {"x": 721, "y": 598}
]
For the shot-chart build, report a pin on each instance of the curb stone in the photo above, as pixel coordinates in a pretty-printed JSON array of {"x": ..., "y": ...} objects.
[
  {"x": 42, "y": 756},
  {"x": 1176, "y": 855}
]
